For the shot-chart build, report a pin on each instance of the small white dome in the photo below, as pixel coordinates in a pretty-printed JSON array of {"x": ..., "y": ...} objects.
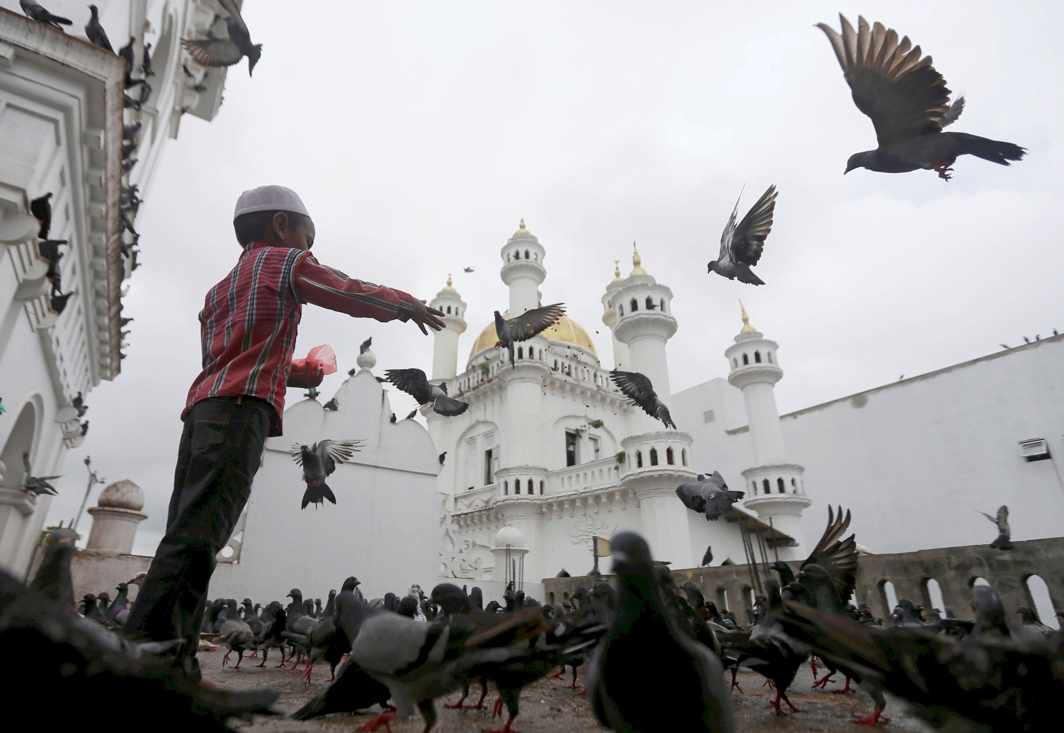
[
  {"x": 122, "y": 494},
  {"x": 509, "y": 536},
  {"x": 366, "y": 360}
]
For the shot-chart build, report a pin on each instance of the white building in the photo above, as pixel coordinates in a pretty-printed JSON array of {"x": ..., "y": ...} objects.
[{"x": 62, "y": 114}]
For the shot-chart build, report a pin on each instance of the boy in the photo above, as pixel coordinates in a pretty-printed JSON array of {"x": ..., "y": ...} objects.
[{"x": 248, "y": 332}]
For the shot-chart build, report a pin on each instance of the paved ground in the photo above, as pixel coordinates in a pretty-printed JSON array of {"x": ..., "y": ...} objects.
[{"x": 549, "y": 706}]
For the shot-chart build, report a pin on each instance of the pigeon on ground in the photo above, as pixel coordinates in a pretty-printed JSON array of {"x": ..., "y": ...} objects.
[
  {"x": 1030, "y": 627},
  {"x": 95, "y": 32},
  {"x": 39, "y": 14},
  {"x": 640, "y": 391},
  {"x": 523, "y": 327},
  {"x": 416, "y": 384},
  {"x": 36, "y": 485},
  {"x": 319, "y": 461},
  {"x": 53, "y": 580},
  {"x": 1004, "y": 539},
  {"x": 741, "y": 245},
  {"x": 685, "y": 672},
  {"x": 226, "y": 51},
  {"x": 41, "y": 208},
  {"x": 707, "y": 557},
  {"x": 908, "y": 103},
  {"x": 58, "y": 301},
  {"x": 274, "y": 619},
  {"x": 708, "y": 494}
]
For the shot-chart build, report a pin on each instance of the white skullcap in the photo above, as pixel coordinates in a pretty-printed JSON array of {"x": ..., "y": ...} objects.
[{"x": 269, "y": 198}]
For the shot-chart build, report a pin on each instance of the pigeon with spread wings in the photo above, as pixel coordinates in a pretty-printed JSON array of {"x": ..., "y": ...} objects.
[
  {"x": 741, "y": 244},
  {"x": 319, "y": 461},
  {"x": 416, "y": 384},
  {"x": 640, "y": 391},
  {"x": 523, "y": 327},
  {"x": 226, "y": 51}
]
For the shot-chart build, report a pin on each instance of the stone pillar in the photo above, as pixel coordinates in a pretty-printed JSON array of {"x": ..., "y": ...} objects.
[{"x": 115, "y": 518}]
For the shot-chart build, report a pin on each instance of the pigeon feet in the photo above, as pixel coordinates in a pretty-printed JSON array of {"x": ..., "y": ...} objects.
[
  {"x": 559, "y": 674},
  {"x": 496, "y": 709},
  {"x": 812, "y": 666},
  {"x": 873, "y": 718},
  {"x": 944, "y": 171},
  {"x": 225, "y": 659},
  {"x": 781, "y": 696},
  {"x": 508, "y": 728},
  {"x": 822, "y": 683},
  {"x": 846, "y": 690},
  {"x": 383, "y": 720}
]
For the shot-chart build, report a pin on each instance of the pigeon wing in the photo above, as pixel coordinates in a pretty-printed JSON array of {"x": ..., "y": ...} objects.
[
  {"x": 836, "y": 555},
  {"x": 534, "y": 321},
  {"x": 637, "y": 388},
  {"x": 297, "y": 453},
  {"x": 449, "y": 406},
  {"x": 748, "y": 240},
  {"x": 236, "y": 18},
  {"x": 213, "y": 52},
  {"x": 341, "y": 451},
  {"x": 412, "y": 381},
  {"x": 892, "y": 82},
  {"x": 726, "y": 237}
]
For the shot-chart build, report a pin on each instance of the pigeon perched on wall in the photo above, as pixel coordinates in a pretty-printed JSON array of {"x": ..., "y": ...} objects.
[
  {"x": 41, "y": 208},
  {"x": 58, "y": 301},
  {"x": 523, "y": 327},
  {"x": 685, "y": 672},
  {"x": 416, "y": 384},
  {"x": 145, "y": 64},
  {"x": 707, "y": 556},
  {"x": 48, "y": 249},
  {"x": 1004, "y": 539},
  {"x": 95, "y": 32},
  {"x": 37, "y": 12},
  {"x": 640, "y": 391},
  {"x": 741, "y": 244},
  {"x": 908, "y": 103},
  {"x": 708, "y": 495},
  {"x": 319, "y": 461},
  {"x": 226, "y": 51},
  {"x": 36, "y": 485}
]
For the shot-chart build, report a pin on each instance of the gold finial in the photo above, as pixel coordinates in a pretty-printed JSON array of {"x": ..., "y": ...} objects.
[
  {"x": 450, "y": 281},
  {"x": 637, "y": 261},
  {"x": 521, "y": 226},
  {"x": 747, "y": 328},
  {"x": 616, "y": 269}
]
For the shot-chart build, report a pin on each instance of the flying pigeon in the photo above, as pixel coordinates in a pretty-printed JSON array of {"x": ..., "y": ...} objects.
[
  {"x": 36, "y": 485},
  {"x": 319, "y": 461},
  {"x": 41, "y": 208},
  {"x": 685, "y": 672},
  {"x": 39, "y": 14},
  {"x": 468, "y": 269},
  {"x": 1004, "y": 539},
  {"x": 709, "y": 495},
  {"x": 908, "y": 103},
  {"x": 741, "y": 245},
  {"x": 707, "y": 558},
  {"x": 226, "y": 51},
  {"x": 95, "y": 32},
  {"x": 640, "y": 391},
  {"x": 416, "y": 384},
  {"x": 530, "y": 323}
]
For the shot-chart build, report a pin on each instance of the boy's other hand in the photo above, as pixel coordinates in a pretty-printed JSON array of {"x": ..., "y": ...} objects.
[{"x": 423, "y": 316}]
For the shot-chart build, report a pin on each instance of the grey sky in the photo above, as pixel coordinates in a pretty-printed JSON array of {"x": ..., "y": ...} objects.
[{"x": 419, "y": 135}]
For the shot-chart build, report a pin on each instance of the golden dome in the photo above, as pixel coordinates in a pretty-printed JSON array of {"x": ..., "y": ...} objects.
[{"x": 565, "y": 331}]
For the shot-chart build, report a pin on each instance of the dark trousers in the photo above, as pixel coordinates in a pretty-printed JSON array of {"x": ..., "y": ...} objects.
[{"x": 221, "y": 449}]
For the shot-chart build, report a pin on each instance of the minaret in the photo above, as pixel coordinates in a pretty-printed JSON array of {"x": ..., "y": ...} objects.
[
  {"x": 610, "y": 318},
  {"x": 774, "y": 486},
  {"x": 445, "y": 341},
  {"x": 522, "y": 269}
]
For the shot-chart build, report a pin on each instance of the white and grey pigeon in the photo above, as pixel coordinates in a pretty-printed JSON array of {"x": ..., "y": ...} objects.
[
  {"x": 39, "y": 14},
  {"x": 523, "y": 327},
  {"x": 685, "y": 673},
  {"x": 226, "y": 51},
  {"x": 319, "y": 461},
  {"x": 640, "y": 391},
  {"x": 416, "y": 384},
  {"x": 741, "y": 244},
  {"x": 708, "y": 495}
]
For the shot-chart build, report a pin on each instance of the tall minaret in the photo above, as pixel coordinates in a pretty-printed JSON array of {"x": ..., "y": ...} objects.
[
  {"x": 610, "y": 318},
  {"x": 522, "y": 269},
  {"x": 775, "y": 488},
  {"x": 445, "y": 341}
]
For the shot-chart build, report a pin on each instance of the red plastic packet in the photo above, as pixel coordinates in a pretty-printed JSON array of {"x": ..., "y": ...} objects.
[{"x": 310, "y": 372}]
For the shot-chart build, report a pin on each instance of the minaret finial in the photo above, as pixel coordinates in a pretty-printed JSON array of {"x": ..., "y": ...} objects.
[
  {"x": 450, "y": 281},
  {"x": 522, "y": 224},
  {"x": 747, "y": 328},
  {"x": 637, "y": 261},
  {"x": 616, "y": 269}
]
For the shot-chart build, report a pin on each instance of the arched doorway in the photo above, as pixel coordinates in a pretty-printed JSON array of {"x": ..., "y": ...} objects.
[{"x": 19, "y": 441}]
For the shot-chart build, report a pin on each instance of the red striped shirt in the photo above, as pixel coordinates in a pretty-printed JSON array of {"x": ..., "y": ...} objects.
[{"x": 250, "y": 319}]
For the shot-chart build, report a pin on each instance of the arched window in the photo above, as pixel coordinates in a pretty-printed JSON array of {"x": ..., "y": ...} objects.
[
  {"x": 530, "y": 355},
  {"x": 662, "y": 305},
  {"x": 526, "y": 254},
  {"x": 683, "y": 456},
  {"x": 653, "y": 456},
  {"x": 535, "y": 256},
  {"x": 933, "y": 595},
  {"x": 541, "y": 487},
  {"x": 520, "y": 352},
  {"x": 779, "y": 486},
  {"x": 1039, "y": 601},
  {"x": 765, "y": 487},
  {"x": 768, "y": 355},
  {"x": 794, "y": 486},
  {"x": 531, "y": 489},
  {"x": 669, "y": 459},
  {"x": 890, "y": 597},
  {"x": 650, "y": 303},
  {"x": 634, "y": 305},
  {"x": 639, "y": 459},
  {"x": 734, "y": 362},
  {"x": 722, "y": 599},
  {"x": 620, "y": 310},
  {"x": 746, "y": 359},
  {"x": 505, "y": 488},
  {"x": 757, "y": 357},
  {"x": 753, "y": 487}
]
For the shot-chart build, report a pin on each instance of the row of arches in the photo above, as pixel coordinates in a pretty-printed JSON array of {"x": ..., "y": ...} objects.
[
  {"x": 781, "y": 486},
  {"x": 648, "y": 304},
  {"x": 516, "y": 255},
  {"x": 746, "y": 359},
  {"x": 453, "y": 311},
  {"x": 529, "y": 484},
  {"x": 1036, "y": 593},
  {"x": 654, "y": 457}
]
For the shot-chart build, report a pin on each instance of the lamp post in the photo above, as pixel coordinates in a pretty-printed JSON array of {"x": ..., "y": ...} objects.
[{"x": 93, "y": 480}]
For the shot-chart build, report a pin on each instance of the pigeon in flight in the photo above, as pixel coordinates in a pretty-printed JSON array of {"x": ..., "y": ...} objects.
[
  {"x": 95, "y": 32},
  {"x": 640, "y": 391},
  {"x": 908, "y": 102},
  {"x": 1004, "y": 539},
  {"x": 530, "y": 323},
  {"x": 41, "y": 208},
  {"x": 707, "y": 558},
  {"x": 468, "y": 269},
  {"x": 319, "y": 461},
  {"x": 741, "y": 245},
  {"x": 708, "y": 495},
  {"x": 226, "y": 51},
  {"x": 39, "y": 14},
  {"x": 36, "y": 485},
  {"x": 416, "y": 384}
]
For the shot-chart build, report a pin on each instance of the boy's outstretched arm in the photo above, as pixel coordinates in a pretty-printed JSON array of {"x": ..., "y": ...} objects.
[{"x": 323, "y": 286}]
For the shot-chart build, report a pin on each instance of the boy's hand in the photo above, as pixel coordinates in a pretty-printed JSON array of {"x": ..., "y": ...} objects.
[{"x": 423, "y": 316}]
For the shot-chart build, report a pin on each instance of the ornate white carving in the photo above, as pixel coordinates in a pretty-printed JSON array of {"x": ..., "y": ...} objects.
[{"x": 590, "y": 526}]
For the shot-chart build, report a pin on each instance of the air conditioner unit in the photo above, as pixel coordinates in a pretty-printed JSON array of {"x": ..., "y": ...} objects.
[{"x": 1034, "y": 449}]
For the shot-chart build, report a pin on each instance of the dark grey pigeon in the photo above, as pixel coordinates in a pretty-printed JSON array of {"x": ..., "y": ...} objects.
[
  {"x": 36, "y": 485},
  {"x": 95, "y": 32},
  {"x": 365, "y": 345},
  {"x": 1004, "y": 539},
  {"x": 53, "y": 580},
  {"x": 685, "y": 672},
  {"x": 58, "y": 302},
  {"x": 41, "y": 208},
  {"x": 226, "y": 51},
  {"x": 908, "y": 102},
  {"x": 416, "y": 384},
  {"x": 49, "y": 252},
  {"x": 126, "y": 54},
  {"x": 319, "y": 461},
  {"x": 708, "y": 495},
  {"x": 523, "y": 327},
  {"x": 741, "y": 244},
  {"x": 467, "y": 270},
  {"x": 39, "y": 14},
  {"x": 145, "y": 65},
  {"x": 640, "y": 391},
  {"x": 707, "y": 557}
]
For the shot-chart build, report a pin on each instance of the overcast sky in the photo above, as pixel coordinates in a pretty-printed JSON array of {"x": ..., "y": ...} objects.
[{"x": 420, "y": 133}]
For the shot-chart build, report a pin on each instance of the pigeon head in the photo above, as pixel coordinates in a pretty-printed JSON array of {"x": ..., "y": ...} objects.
[
  {"x": 94, "y": 10},
  {"x": 712, "y": 266},
  {"x": 253, "y": 57},
  {"x": 349, "y": 584},
  {"x": 630, "y": 552},
  {"x": 122, "y": 587},
  {"x": 860, "y": 160}
]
